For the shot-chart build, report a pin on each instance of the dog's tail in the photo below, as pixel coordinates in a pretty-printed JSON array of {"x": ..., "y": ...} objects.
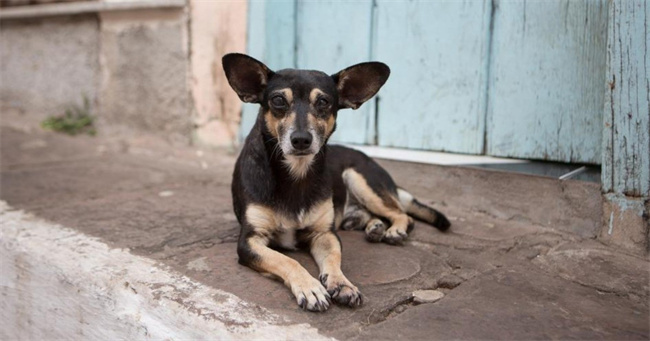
[{"x": 421, "y": 211}]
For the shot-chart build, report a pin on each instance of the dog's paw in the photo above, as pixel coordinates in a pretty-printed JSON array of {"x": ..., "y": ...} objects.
[
  {"x": 351, "y": 223},
  {"x": 375, "y": 230},
  {"x": 342, "y": 291},
  {"x": 310, "y": 294},
  {"x": 395, "y": 236}
]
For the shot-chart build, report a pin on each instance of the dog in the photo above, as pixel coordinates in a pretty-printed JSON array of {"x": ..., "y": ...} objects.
[{"x": 290, "y": 189}]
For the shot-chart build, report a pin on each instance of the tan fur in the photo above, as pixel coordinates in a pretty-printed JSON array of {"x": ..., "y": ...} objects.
[
  {"x": 314, "y": 93},
  {"x": 298, "y": 166},
  {"x": 301, "y": 283},
  {"x": 327, "y": 125},
  {"x": 287, "y": 92},
  {"x": 266, "y": 221},
  {"x": 387, "y": 207},
  {"x": 272, "y": 122},
  {"x": 338, "y": 218},
  {"x": 326, "y": 250}
]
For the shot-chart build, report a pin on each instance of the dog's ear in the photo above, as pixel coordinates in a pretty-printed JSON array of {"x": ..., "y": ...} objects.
[
  {"x": 247, "y": 76},
  {"x": 359, "y": 83}
]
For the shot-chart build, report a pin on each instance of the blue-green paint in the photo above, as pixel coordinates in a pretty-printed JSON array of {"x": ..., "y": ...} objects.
[
  {"x": 626, "y": 127},
  {"x": 330, "y": 46},
  {"x": 508, "y": 78},
  {"x": 547, "y": 75},
  {"x": 437, "y": 51},
  {"x": 272, "y": 40}
]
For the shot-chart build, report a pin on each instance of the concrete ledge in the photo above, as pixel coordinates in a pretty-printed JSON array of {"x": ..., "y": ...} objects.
[
  {"x": 57, "y": 283},
  {"x": 626, "y": 223},
  {"x": 48, "y": 10}
]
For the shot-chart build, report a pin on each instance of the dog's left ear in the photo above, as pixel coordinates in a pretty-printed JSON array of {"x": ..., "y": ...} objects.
[
  {"x": 247, "y": 76},
  {"x": 359, "y": 83}
]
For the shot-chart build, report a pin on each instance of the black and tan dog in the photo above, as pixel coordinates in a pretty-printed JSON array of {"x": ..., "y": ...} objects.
[{"x": 290, "y": 189}]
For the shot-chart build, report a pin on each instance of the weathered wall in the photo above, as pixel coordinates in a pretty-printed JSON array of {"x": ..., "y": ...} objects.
[
  {"x": 144, "y": 61},
  {"x": 626, "y": 127},
  {"x": 47, "y": 65},
  {"x": 216, "y": 28}
]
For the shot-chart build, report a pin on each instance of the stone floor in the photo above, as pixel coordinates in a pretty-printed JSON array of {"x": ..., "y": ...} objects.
[{"x": 520, "y": 261}]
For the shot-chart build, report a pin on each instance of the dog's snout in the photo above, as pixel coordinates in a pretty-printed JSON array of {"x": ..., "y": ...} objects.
[{"x": 301, "y": 140}]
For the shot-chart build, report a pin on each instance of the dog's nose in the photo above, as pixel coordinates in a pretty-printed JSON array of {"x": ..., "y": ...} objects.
[{"x": 301, "y": 140}]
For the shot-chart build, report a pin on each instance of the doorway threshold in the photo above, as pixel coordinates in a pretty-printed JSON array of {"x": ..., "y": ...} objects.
[{"x": 558, "y": 170}]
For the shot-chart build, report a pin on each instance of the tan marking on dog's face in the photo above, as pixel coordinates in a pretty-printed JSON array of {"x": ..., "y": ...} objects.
[
  {"x": 324, "y": 124},
  {"x": 278, "y": 126},
  {"x": 278, "y": 120},
  {"x": 314, "y": 93}
]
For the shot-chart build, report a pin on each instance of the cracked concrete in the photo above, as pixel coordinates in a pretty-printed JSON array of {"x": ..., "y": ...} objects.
[{"x": 520, "y": 261}]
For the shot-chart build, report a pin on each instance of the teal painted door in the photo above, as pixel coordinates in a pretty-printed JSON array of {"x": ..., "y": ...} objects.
[
  {"x": 521, "y": 79},
  {"x": 435, "y": 97},
  {"x": 547, "y": 83},
  {"x": 332, "y": 35}
]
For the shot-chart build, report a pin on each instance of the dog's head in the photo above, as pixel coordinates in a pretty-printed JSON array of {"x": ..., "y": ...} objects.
[{"x": 300, "y": 106}]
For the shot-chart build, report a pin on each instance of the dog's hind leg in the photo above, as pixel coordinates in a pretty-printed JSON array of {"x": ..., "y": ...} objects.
[
  {"x": 357, "y": 217},
  {"x": 421, "y": 211},
  {"x": 380, "y": 203}
]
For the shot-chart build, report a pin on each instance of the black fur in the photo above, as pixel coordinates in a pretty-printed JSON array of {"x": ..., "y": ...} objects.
[{"x": 261, "y": 174}]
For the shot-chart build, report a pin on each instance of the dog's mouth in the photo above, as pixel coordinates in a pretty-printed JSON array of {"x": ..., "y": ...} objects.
[{"x": 300, "y": 153}]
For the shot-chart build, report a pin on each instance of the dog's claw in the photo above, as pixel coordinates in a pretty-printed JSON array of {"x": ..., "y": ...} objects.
[
  {"x": 344, "y": 293},
  {"x": 303, "y": 303},
  {"x": 323, "y": 278},
  {"x": 311, "y": 295}
]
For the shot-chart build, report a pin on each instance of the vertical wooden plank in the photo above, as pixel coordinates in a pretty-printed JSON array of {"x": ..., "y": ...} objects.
[
  {"x": 626, "y": 131},
  {"x": 271, "y": 39},
  {"x": 333, "y": 35},
  {"x": 546, "y": 80},
  {"x": 437, "y": 51}
]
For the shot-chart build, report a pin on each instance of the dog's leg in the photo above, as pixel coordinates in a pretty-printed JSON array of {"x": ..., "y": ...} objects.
[
  {"x": 326, "y": 250},
  {"x": 386, "y": 206},
  {"x": 355, "y": 216},
  {"x": 255, "y": 253}
]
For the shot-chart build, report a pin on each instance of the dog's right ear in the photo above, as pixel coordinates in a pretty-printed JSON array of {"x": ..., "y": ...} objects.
[{"x": 247, "y": 76}]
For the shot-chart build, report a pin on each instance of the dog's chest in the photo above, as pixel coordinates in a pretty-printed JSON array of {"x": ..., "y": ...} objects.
[
  {"x": 289, "y": 225},
  {"x": 319, "y": 217}
]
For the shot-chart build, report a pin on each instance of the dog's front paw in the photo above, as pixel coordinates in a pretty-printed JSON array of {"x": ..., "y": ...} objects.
[
  {"x": 342, "y": 291},
  {"x": 310, "y": 294}
]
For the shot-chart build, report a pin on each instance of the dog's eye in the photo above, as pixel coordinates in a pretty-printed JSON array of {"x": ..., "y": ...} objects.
[
  {"x": 278, "y": 102},
  {"x": 322, "y": 103}
]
